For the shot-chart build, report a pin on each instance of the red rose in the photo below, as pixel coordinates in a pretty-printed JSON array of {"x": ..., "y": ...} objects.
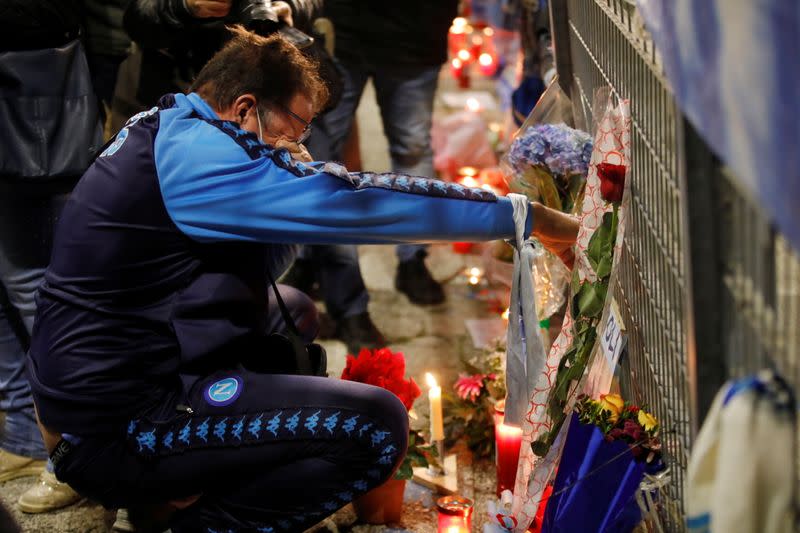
[
  {"x": 612, "y": 181},
  {"x": 382, "y": 368}
]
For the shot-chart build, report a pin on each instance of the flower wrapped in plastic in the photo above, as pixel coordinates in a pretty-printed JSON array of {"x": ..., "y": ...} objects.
[
  {"x": 611, "y": 445},
  {"x": 549, "y": 163}
]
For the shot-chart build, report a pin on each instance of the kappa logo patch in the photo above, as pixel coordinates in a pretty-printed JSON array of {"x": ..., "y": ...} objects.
[{"x": 224, "y": 391}]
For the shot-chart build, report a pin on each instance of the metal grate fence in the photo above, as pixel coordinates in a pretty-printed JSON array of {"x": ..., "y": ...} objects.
[{"x": 706, "y": 289}]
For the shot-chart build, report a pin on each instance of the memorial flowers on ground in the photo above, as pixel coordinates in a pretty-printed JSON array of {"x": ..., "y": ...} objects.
[{"x": 386, "y": 369}]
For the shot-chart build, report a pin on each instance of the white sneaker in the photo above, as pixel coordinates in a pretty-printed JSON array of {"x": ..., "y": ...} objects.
[
  {"x": 122, "y": 522},
  {"x": 48, "y": 494},
  {"x": 13, "y": 466}
]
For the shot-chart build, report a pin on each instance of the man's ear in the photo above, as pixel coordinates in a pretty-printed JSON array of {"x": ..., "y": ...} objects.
[{"x": 242, "y": 106}]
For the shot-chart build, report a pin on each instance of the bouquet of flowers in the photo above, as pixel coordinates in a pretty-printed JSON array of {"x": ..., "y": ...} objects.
[
  {"x": 575, "y": 363},
  {"x": 386, "y": 369},
  {"x": 611, "y": 444},
  {"x": 588, "y": 299},
  {"x": 619, "y": 420},
  {"x": 549, "y": 163}
]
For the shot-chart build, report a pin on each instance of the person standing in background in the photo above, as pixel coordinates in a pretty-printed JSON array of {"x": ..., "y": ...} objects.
[
  {"x": 538, "y": 69},
  {"x": 401, "y": 46},
  {"x": 107, "y": 46},
  {"x": 173, "y": 40},
  {"x": 49, "y": 133}
]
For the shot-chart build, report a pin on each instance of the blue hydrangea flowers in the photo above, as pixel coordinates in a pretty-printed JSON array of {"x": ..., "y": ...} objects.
[
  {"x": 549, "y": 162},
  {"x": 563, "y": 150}
]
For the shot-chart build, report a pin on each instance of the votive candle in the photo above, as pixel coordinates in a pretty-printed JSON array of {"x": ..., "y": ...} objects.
[{"x": 455, "y": 514}]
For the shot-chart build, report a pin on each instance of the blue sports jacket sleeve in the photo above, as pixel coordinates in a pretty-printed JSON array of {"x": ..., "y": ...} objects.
[{"x": 220, "y": 183}]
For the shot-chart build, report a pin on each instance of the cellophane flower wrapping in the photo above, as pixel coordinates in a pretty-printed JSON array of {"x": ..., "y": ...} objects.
[
  {"x": 536, "y": 472},
  {"x": 548, "y": 161},
  {"x": 595, "y": 489}
]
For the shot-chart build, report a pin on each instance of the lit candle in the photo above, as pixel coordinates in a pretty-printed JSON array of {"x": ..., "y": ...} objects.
[
  {"x": 476, "y": 43},
  {"x": 487, "y": 64},
  {"x": 473, "y": 105},
  {"x": 508, "y": 440},
  {"x": 455, "y": 514},
  {"x": 435, "y": 400},
  {"x": 469, "y": 181},
  {"x": 456, "y": 67},
  {"x": 457, "y": 37},
  {"x": 474, "y": 275},
  {"x": 468, "y": 171},
  {"x": 505, "y": 314}
]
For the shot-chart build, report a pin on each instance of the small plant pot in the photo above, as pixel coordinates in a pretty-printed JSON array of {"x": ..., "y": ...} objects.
[{"x": 383, "y": 504}]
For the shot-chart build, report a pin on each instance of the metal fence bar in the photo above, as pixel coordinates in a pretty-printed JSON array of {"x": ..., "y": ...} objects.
[
  {"x": 707, "y": 289},
  {"x": 653, "y": 289}
]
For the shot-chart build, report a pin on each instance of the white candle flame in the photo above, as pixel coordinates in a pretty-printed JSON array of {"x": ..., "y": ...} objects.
[
  {"x": 430, "y": 380},
  {"x": 473, "y": 104},
  {"x": 469, "y": 181}
]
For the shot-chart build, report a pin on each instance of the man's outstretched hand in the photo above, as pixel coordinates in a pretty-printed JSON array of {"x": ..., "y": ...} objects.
[{"x": 557, "y": 231}]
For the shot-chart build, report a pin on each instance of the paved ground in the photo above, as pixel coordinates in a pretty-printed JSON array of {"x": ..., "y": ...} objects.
[{"x": 433, "y": 339}]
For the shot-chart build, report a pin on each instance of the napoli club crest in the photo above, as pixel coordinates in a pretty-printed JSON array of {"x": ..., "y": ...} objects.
[{"x": 224, "y": 391}]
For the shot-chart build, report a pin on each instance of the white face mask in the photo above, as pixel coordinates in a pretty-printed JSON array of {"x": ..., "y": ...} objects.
[{"x": 258, "y": 116}]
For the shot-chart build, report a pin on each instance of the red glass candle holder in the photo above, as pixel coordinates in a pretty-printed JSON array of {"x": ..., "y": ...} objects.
[
  {"x": 462, "y": 247},
  {"x": 455, "y": 514},
  {"x": 508, "y": 440}
]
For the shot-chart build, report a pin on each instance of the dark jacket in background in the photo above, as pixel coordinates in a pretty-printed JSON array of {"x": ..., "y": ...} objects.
[
  {"x": 49, "y": 124},
  {"x": 172, "y": 46},
  {"x": 104, "y": 34},
  {"x": 410, "y": 32},
  {"x": 38, "y": 24}
]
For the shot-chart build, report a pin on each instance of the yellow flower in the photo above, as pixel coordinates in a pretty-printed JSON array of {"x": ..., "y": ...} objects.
[
  {"x": 613, "y": 403},
  {"x": 647, "y": 421}
]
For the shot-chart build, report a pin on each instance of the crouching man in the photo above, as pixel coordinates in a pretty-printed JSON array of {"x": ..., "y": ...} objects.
[{"x": 157, "y": 307}]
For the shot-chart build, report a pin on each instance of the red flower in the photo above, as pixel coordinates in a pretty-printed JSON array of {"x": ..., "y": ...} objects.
[
  {"x": 469, "y": 387},
  {"x": 612, "y": 181},
  {"x": 384, "y": 369},
  {"x": 633, "y": 431}
]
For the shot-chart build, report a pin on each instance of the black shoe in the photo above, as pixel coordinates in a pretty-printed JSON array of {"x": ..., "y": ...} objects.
[
  {"x": 358, "y": 331},
  {"x": 302, "y": 277},
  {"x": 415, "y": 281}
]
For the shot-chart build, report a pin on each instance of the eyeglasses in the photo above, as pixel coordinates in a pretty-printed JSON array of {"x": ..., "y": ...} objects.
[{"x": 307, "y": 125}]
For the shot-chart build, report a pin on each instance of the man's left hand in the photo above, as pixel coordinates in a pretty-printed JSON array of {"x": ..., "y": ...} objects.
[
  {"x": 557, "y": 231},
  {"x": 296, "y": 150}
]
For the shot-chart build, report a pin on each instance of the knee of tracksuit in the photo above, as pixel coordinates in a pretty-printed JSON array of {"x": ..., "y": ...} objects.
[{"x": 388, "y": 411}]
